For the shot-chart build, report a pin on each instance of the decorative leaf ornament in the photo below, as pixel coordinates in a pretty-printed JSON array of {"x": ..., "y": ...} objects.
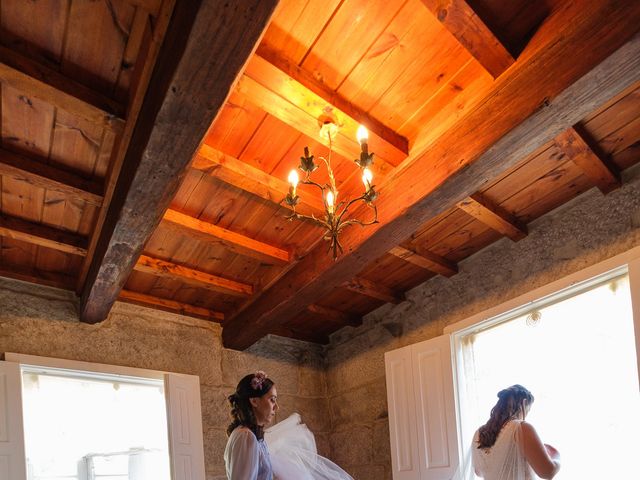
[{"x": 306, "y": 163}]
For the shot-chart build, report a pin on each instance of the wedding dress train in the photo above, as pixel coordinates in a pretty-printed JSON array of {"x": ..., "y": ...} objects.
[{"x": 292, "y": 448}]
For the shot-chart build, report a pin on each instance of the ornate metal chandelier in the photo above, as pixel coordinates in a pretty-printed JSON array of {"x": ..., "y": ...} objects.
[{"x": 336, "y": 216}]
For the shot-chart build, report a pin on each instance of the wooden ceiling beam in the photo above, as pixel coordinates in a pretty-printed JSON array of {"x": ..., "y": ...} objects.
[
  {"x": 141, "y": 78},
  {"x": 373, "y": 290},
  {"x": 427, "y": 260},
  {"x": 39, "y": 277},
  {"x": 582, "y": 151},
  {"x": 287, "y": 332},
  {"x": 42, "y": 235},
  {"x": 215, "y": 283},
  {"x": 305, "y": 120},
  {"x": 527, "y": 107},
  {"x": 62, "y": 92},
  {"x": 336, "y": 316},
  {"x": 172, "y": 306},
  {"x": 204, "y": 50},
  {"x": 41, "y": 175},
  {"x": 493, "y": 216},
  {"x": 233, "y": 241},
  {"x": 150, "y": 6},
  {"x": 467, "y": 27},
  {"x": 302, "y": 89},
  {"x": 250, "y": 179}
]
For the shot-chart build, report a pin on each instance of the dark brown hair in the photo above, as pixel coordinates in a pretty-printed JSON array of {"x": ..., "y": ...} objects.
[
  {"x": 251, "y": 386},
  {"x": 512, "y": 402}
]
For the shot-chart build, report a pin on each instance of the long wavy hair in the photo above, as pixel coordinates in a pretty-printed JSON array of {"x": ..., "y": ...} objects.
[
  {"x": 513, "y": 402},
  {"x": 251, "y": 386}
]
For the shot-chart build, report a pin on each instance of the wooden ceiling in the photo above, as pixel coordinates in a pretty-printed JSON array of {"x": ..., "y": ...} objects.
[{"x": 146, "y": 144}]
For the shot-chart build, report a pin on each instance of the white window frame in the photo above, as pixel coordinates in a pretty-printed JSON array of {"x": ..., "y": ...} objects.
[
  {"x": 182, "y": 394},
  {"x": 565, "y": 287},
  {"x": 401, "y": 365}
]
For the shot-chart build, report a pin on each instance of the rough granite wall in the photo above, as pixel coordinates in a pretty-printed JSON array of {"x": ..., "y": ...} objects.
[
  {"x": 43, "y": 321},
  {"x": 341, "y": 397},
  {"x": 587, "y": 230}
]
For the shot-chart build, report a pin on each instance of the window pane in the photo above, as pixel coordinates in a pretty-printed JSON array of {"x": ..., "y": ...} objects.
[
  {"x": 85, "y": 426},
  {"x": 578, "y": 358}
]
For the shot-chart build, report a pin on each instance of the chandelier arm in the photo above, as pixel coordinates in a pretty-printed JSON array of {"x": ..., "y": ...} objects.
[
  {"x": 346, "y": 208},
  {"x": 332, "y": 179},
  {"x": 300, "y": 216},
  {"x": 311, "y": 182},
  {"x": 355, "y": 221}
]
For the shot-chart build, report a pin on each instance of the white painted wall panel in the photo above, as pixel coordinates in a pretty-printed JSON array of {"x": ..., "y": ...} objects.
[
  {"x": 12, "y": 456},
  {"x": 435, "y": 408},
  {"x": 402, "y": 420},
  {"x": 185, "y": 427}
]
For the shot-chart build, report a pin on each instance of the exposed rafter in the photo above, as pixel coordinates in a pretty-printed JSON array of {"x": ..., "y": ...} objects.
[
  {"x": 493, "y": 216},
  {"x": 150, "y": 6},
  {"x": 143, "y": 70},
  {"x": 302, "y": 89},
  {"x": 535, "y": 105},
  {"x": 42, "y": 235},
  {"x": 213, "y": 234},
  {"x": 463, "y": 22},
  {"x": 574, "y": 142},
  {"x": 42, "y": 175},
  {"x": 303, "y": 116},
  {"x": 335, "y": 316},
  {"x": 250, "y": 179},
  {"x": 170, "y": 305},
  {"x": 320, "y": 338},
  {"x": 193, "y": 77},
  {"x": 162, "y": 268},
  {"x": 427, "y": 260},
  {"x": 373, "y": 290},
  {"x": 62, "y": 92},
  {"x": 39, "y": 277}
]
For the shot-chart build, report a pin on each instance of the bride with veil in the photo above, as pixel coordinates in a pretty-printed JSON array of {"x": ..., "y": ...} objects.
[{"x": 507, "y": 447}]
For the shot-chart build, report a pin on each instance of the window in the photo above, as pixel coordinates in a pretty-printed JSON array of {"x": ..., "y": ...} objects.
[
  {"x": 85, "y": 426},
  {"x": 575, "y": 343},
  {"x": 575, "y": 351},
  {"x": 62, "y": 419}
]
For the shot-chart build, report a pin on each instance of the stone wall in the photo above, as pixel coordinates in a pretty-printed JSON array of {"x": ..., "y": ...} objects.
[
  {"x": 43, "y": 321},
  {"x": 340, "y": 391},
  {"x": 587, "y": 230}
]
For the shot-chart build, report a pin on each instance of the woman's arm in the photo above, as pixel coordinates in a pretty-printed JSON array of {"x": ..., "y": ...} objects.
[
  {"x": 242, "y": 461},
  {"x": 544, "y": 461}
]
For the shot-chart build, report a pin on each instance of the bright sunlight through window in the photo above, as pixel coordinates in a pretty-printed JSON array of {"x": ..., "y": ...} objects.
[
  {"x": 86, "y": 426},
  {"x": 577, "y": 356}
]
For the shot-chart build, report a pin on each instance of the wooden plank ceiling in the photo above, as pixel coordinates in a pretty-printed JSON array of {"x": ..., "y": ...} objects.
[{"x": 101, "y": 119}]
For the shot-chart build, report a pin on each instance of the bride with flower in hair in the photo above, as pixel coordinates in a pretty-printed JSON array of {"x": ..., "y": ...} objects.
[{"x": 286, "y": 451}]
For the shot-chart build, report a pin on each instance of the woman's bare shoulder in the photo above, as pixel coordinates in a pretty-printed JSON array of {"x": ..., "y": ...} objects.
[{"x": 528, "y": 428}]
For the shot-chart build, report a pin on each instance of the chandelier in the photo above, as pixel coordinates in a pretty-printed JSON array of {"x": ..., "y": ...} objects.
[{"x": 336, "y": 213}]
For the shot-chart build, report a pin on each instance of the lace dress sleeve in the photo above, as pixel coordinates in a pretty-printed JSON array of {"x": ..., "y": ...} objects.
[{"x": 241, "y": 455}]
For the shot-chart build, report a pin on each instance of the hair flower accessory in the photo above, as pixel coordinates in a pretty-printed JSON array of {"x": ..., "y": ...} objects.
[{"x": 258, "y": 380}]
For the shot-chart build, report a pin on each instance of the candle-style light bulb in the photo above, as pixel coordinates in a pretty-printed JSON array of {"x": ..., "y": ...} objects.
[
  {"x": 367, "y": 177},
  {"x": 330, "y": 201},
  {"x": 293, "y": 181},
  {"x": 362, "y": 135}
]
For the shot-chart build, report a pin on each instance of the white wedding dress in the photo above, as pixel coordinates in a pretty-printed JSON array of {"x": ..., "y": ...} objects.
[
  {"x": 503, "y": 461},
  {"x": 293, "y": 453}
]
